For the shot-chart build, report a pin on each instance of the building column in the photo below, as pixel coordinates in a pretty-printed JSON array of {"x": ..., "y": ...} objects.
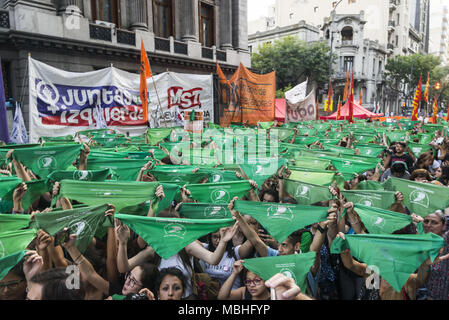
[
  {"x": 70, "y": 7},
  {"x": 240, "y": 25},
  {"x": 138, "y": 15},
  {"x": 40, "y": 5},
  {"x": 187, "y": 17},
  {"x": 225, "y": 24}
]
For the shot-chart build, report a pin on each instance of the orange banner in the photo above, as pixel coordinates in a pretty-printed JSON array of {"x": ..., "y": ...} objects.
[{"x": 247, "y": 97}]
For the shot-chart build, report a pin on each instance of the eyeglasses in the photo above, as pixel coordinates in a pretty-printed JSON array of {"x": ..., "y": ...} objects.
[
  {"x": 132, "y": 280},
  {"x": 11, "y": 285},
  {"x": 254, "y": 282}
]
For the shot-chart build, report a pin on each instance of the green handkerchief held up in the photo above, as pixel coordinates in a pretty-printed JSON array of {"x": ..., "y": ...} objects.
[
  {"x": 370, "y": 198},
  {"x": 167, "y": 236},
  {"x": 14, "y": 222},
  {"x": 395, "y": 256},
  {"x": 282, "y": 219},
  {"x": 295, "y": 266},
  {"x": 205, "y": 211},
  {"x": 44, "y": 160},
  {"x": 306, "y": 193},
  {"x": 222, "y": 192}
]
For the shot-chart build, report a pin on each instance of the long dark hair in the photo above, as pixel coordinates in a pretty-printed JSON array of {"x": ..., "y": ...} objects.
[
  {"x": 229, "y": 246},
  {"x": 444, "y": 179}
]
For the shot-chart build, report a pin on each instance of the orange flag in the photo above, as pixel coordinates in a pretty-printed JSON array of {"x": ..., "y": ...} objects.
[
  {"x": 361, "y": 96},
  {"x": 447, "y": 116},
  {"x": 345, "y": 93},
  {"x": 339, "y": 108},
  {"x": 426, "y": 93},
  {"x": 329, "y": 103},
  {"x": 417, "y": 100},
  {"x": 435, "y": 111},
  {"x": 351, "y": 100},
  {"x": 145, "y": 73}
]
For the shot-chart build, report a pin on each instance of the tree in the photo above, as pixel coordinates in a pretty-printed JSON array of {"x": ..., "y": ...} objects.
[
  {"x": 294, "y": 61},
  {"x": 402, "y": 73}
]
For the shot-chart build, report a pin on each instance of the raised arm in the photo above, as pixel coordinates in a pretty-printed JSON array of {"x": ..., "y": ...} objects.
[
  {"x": 84, "y": 153},
  {"x": 348, "y": 261},
  {"x": 249, "y": 232},
  {"x": 111, "y": 250},
  {"x": 226, "y": 292}
]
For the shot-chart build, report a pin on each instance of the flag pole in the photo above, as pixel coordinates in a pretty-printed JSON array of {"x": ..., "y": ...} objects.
[{"x": 157, "y": 95}]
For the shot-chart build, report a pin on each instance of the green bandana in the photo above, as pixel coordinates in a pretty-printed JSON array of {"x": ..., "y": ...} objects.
[
  {"x": 35, "y": 189},
  {"x": 312, "y": 163},
  {"x": 370, "y": 198},
  {"x": 305, "y": 140},
  {"x": 222, "y": 192},
  {"x": 317, "y": 177},
  {"x": 344, "y": 165},
  {"x": 396, "y": 256},
  {"x": 263, "y": 169},
  {"x": 381, "y": 221},
  {"x": 215, "y": 176},
  {"x": 266, "y": 125},
  {"x": 171, "y": 191},
  {"x": 80, "y": 175},
  {"x": 167, "y": 236},
  {"x": 425, "y": 138},
  {"x": 123, "y": 169},
  {"x": 420, "y": 198},
  {"x": 205, "y": 211},
  {"x": 14, "y": 222},
  {"x": 157, "y": 135},
  {"x": 45, "y": 160},
  {"x": 283, "y": 133},
  {"x": 120, "y": 194},
  {"x": 10, "y": 261},
  {"x": 177, "y": 174},
  {"x": 372, "y": 151},
  {"x": 295, "y": 266},
  {"x": 13, "y": 241},
  {"x": 83, "y": 222},
  {"x": 369, "y": 185},
  {"x": 306, "y": 193},
  {"x": 8, "y": 184},
  {"x": 396, "y": 136},
  {"x": 337, "y": 149},
  {"x": 110, "y": 141},
  {"x": 281, "y": 220},
  {"x": 417, "y": 149}
]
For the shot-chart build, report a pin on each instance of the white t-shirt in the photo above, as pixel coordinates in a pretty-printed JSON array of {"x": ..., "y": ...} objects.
[
  {"x": 176, "y": 262},
  {"x": 223, "y": 270}
]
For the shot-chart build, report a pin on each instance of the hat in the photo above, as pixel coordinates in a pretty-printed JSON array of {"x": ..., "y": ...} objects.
[{"x": 397, "y": 163}]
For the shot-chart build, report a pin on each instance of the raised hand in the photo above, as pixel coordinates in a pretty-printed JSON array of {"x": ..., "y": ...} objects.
[
  {"x": 285, "y": 287},
  {"x": 32, "y": 264},
  {"x": 237, "y": 267}
]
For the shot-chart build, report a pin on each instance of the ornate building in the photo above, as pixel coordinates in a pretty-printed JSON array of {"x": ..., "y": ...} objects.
[{"x": 84, "y": 35}]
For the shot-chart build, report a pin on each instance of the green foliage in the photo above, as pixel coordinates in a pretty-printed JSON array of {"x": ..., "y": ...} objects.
[
  {"x": 281, "y": 92},
  {"x": 294, "y": 61}
]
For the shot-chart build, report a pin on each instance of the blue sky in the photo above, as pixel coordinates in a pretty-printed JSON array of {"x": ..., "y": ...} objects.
[{"x": 258, "y": 8}]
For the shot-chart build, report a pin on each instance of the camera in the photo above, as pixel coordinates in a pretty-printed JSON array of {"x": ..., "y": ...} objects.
[{"x": 136, "y": 296}]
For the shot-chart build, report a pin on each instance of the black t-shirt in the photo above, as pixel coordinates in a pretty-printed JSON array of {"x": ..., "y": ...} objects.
[{"x": 405, "y": 158}]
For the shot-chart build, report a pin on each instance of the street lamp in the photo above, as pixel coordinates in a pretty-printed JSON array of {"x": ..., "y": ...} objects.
[{"x": 335, "y": 5}]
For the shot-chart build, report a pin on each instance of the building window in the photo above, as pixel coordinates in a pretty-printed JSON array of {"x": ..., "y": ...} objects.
[
  {"x": 374, "y": 67},
  {"x": 250, "y": 49},
  {"x": 207, "y": 25},
  {"x": 346, "y": 35},
  {"x": 163, "y": 23},
  {"x": 6, "y": 71},
  {"x": 348, "y": 63},
  {"x": 106, "y": 10},
  {"x": 363, "y": 65}
]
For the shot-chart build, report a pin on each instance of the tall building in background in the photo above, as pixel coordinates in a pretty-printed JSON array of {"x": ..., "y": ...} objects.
[
  {"x": 84, "y": 35},
  {"x": 439, "y": 30},
  {"x": 379, "y": 29}
]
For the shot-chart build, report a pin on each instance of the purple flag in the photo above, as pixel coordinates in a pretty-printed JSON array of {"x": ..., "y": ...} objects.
[{"x": 4, "y": 132}]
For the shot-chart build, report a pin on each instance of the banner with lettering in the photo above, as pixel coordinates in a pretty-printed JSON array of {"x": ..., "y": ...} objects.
[
  {"x": 301, "y": 111},
  {"x": 246, "y": 97},
  {"x": 62, "y": 102}
]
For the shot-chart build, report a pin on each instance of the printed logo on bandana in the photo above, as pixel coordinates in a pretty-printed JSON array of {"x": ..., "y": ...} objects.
[
  {"x": 288, "y": 273},
  {"x": 420, "y": 198},
  {"x": 258, "y": 169},
  {"x": 82, "y": 175},
  {"x": 366, "y": 201},
  {"x": 2, "y": 250},
  {"x": 368, "y": 152},
  {"x": 303, "y": 192},
  {"x": 80, "y": 228},
  {"x": 217, "y": 178},
  {"x": 346, "y": 163},
  {"x": 46, "y": 162},
  {"x": 280, "y": 212},
  {"x": 215, "y": 212},
  {"x": 175, "y": 230},
  {"x": 416, "y": 150},
  {"x": 220, "y": 196},
  {"x": 378, "y": 222}
]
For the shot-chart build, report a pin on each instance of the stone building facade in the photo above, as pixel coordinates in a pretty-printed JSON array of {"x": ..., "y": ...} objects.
[{"x": 187, "y": 36}]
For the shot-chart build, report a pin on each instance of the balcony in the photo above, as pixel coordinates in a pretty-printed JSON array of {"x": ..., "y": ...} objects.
[
  {"x": 4, "y": 19},
  {"x": 98, "y": 32},
  {"x": 393, "y": 5},
  {"x": 162, "y": 44},
  {"x": 126, "y": 37},
  {"x": 207, "y": 53},
  {"x": 180, "y": 47},
  {"x": 221, "y": 55},
  {"x": 391, "y": 26}
]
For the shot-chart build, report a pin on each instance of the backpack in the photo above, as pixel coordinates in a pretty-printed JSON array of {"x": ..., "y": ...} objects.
[{"x": 204, "y": 286}]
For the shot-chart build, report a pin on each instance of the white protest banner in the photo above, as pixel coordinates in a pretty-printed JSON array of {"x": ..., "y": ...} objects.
[
  {"x": 62, "y": 102},
  {"x": 302, "y": 111},
  {"x": 297, "y": 94}
]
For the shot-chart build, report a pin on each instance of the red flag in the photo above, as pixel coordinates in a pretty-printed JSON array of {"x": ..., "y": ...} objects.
[
  {"x": 351, "y": 100},
  {"x": 339, "y": 108},
  {"x": 417, "y": 100},
  {"x": 145, "y": 72},
  {"x": 317, "y": 109},
  {"x": 426, "y": 93},
  {"x": 345, "y": 93},
  {"x": 447, "y": 116},
  {"x": 435, "y": 111}
]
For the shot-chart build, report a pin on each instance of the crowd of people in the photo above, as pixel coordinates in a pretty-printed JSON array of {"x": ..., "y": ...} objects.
[{"x": 119, "y": 264}]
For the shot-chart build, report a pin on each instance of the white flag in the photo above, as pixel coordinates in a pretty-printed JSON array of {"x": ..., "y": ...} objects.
[
  {"x": 19, "y": 132},
  {"x": 99, "y": 117},
  {"x": 302, "y": 111},
  {"x": 297, "y": 94}
]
